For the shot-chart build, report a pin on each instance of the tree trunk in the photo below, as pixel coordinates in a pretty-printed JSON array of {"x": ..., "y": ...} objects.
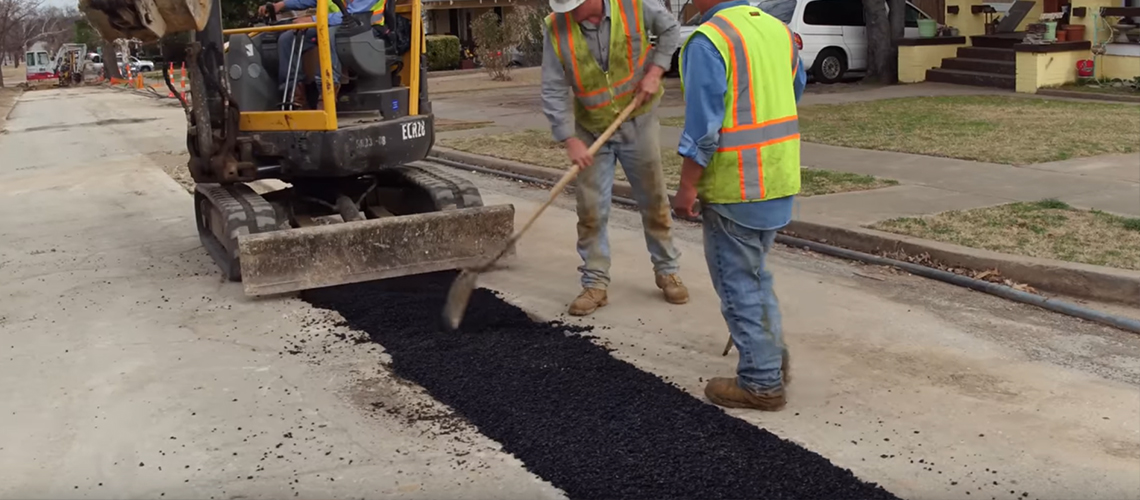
[
  {"x": 897, "y": 15},
  {"x": 111, "y": 61},
  {"x": 878, "y": 42}
]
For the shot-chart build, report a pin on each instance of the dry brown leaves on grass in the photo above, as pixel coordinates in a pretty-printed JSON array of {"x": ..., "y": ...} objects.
[
  {"x": 996, "y": 129},
  {"x": 1047, "y": 229},
  {"x": 536, "y": 147}
]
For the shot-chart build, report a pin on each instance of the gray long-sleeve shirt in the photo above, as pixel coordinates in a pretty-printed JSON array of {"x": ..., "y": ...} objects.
[{"x": 556, "y": 95}]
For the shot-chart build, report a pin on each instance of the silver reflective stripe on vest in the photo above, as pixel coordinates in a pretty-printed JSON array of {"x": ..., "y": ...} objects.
[
  {"x": 743, "y": 81},
  {"x": 632, "y": 21},
  {"x": 758, "y": 135},
  {"x": 377, "y": 17},
  {"x": 750, "y": 169}
]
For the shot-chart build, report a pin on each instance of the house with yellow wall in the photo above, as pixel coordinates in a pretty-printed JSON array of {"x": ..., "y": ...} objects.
[{"x": 1096, "y": 31}]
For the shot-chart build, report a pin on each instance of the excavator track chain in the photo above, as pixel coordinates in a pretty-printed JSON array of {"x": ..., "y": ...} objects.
[
  {"x": 447, "y": 190},
  {"x": 223, "y": 213}
]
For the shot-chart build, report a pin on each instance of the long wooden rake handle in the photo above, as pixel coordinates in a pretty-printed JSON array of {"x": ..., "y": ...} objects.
[{"x": 565, "y": 180}]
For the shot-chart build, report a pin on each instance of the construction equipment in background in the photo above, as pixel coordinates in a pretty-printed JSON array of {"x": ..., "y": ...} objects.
[
  {"x": 355, "y": 208},
  {"x": 69, "y": 64}
]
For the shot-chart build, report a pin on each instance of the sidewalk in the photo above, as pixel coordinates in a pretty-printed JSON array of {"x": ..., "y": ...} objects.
[
  {"x": 928, "y": 184},
  {"x": 931, "y": 185}
]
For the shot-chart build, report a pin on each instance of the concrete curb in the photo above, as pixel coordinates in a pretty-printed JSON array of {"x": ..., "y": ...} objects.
[
  {"x": 1073, "y": 279},
  {"x": 621, "y": 188},
  {"x": 453, "y": 72},
  {"x": 1067, "y": 278},
  {"x": 1089, "y": 96}
]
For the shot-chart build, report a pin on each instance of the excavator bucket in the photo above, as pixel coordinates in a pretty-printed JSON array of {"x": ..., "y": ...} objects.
[
  {"x": 351, "y": 252},
  {"x": 145, "y": 20}
]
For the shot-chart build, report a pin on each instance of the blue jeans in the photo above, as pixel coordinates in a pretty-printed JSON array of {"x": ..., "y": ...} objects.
[
  {"x": 735, "y": 256},
  {"x": 286, "y": 43},
  {"x": 637, "y": 148}
]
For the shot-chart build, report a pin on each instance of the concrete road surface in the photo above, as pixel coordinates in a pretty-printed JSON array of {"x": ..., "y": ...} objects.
[{"x": 128, "y": 368}]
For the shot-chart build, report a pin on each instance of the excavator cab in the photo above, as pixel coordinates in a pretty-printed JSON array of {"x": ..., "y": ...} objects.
[{"x": 357, "y": 202}]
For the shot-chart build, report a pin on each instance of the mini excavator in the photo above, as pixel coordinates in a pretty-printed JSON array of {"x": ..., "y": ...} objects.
[{"x": 358, "y": 204}]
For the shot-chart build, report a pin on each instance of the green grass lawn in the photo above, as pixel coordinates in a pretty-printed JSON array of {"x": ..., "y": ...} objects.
[
  {"x": 536, "y": 147},
  {"x": 1048, "y": 229},
  {"x": 996, "y": 129}
]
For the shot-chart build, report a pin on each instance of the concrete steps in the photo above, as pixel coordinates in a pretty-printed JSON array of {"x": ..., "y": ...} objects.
[
  {"x": 980, "y": 65},
  {"x": 989, "y": 66},
  {"x": 988, "y": 53},
  {"x": 974, "y": 78}
]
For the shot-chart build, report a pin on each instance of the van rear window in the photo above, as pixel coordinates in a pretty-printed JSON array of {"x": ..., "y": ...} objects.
[{"x": 834, "y": 13}]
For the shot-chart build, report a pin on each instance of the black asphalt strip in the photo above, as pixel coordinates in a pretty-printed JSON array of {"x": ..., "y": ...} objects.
[{"x": 590, "y": 424}]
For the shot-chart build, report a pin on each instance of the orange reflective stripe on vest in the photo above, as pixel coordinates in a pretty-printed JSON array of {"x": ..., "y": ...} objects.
[{"x": 378, "y": 12}]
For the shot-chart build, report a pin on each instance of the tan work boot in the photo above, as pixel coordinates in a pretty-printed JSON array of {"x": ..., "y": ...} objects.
[
  {"x": 675, "y": 291},
  {"x": 726, "y": 392},
  {"x": 588, "y": 301}
]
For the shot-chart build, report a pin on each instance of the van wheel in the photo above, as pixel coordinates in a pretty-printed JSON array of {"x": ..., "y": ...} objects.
[{"x": 830, "y": 65}]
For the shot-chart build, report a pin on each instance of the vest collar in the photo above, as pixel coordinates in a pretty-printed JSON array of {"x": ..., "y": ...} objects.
[{"x": 721, "y": 6}]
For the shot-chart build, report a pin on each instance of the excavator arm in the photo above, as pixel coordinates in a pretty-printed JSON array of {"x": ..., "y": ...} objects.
[{"x": 146, "y": 20}]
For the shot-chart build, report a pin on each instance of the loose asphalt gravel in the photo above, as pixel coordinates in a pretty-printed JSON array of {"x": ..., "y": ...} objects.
[{"x": 590, "y": 424}]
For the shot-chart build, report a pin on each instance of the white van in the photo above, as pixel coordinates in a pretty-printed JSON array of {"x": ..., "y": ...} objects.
[{"x": 831, "y": 34}]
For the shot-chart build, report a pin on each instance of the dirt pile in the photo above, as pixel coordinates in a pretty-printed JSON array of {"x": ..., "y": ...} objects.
[{"x": 588, "y": 423}]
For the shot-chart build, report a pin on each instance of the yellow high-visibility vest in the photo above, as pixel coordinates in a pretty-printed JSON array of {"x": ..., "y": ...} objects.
[
  {"x": 378, "y": 13},
  {"x": 599, "y": 95},
  {"x": 758, "y": 157}
]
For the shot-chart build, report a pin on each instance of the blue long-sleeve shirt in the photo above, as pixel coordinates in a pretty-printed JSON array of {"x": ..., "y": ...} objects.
[{"x": 705, "y": 77}]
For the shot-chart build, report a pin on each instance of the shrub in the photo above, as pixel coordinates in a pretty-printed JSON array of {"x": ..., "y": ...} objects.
[
  {"x": 494, "y": 39},
  {"x": 530, "y": 43},
  {"x": 442, "y": 52}
]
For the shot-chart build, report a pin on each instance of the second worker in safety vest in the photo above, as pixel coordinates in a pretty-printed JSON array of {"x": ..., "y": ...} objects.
[
  {"x": 597, "y": 59},
  {"x": 741, "y": 75}
]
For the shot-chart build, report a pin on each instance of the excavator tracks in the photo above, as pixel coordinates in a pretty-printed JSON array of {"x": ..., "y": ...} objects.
[{"x": 226, "y": 212}]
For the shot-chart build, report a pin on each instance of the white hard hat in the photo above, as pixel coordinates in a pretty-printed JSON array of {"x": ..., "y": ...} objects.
[{"x": 564, "y": 6}]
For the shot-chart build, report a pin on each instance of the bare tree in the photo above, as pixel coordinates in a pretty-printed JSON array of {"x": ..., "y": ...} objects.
[
  {"x": 13, "y": 14},
  {"x": 883, "y": 34}
]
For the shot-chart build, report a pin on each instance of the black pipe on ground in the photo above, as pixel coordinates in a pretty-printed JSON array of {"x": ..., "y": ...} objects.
[{"x": 1058, "y": 306}]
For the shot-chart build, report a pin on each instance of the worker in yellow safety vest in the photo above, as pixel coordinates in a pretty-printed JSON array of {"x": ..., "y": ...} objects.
[
  {"x": 741, "y": 77},
  {"x": 287, "y": 50},
  {"x": 596, "y": 61}
]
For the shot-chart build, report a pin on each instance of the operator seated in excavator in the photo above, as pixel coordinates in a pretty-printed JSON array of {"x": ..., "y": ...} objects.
[
  {"x": 356, "y": 201},
  {"x": 359, "y": 13}
]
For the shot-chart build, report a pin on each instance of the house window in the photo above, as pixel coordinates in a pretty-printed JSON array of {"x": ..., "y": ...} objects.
[{"x": 834, "y": 13}]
